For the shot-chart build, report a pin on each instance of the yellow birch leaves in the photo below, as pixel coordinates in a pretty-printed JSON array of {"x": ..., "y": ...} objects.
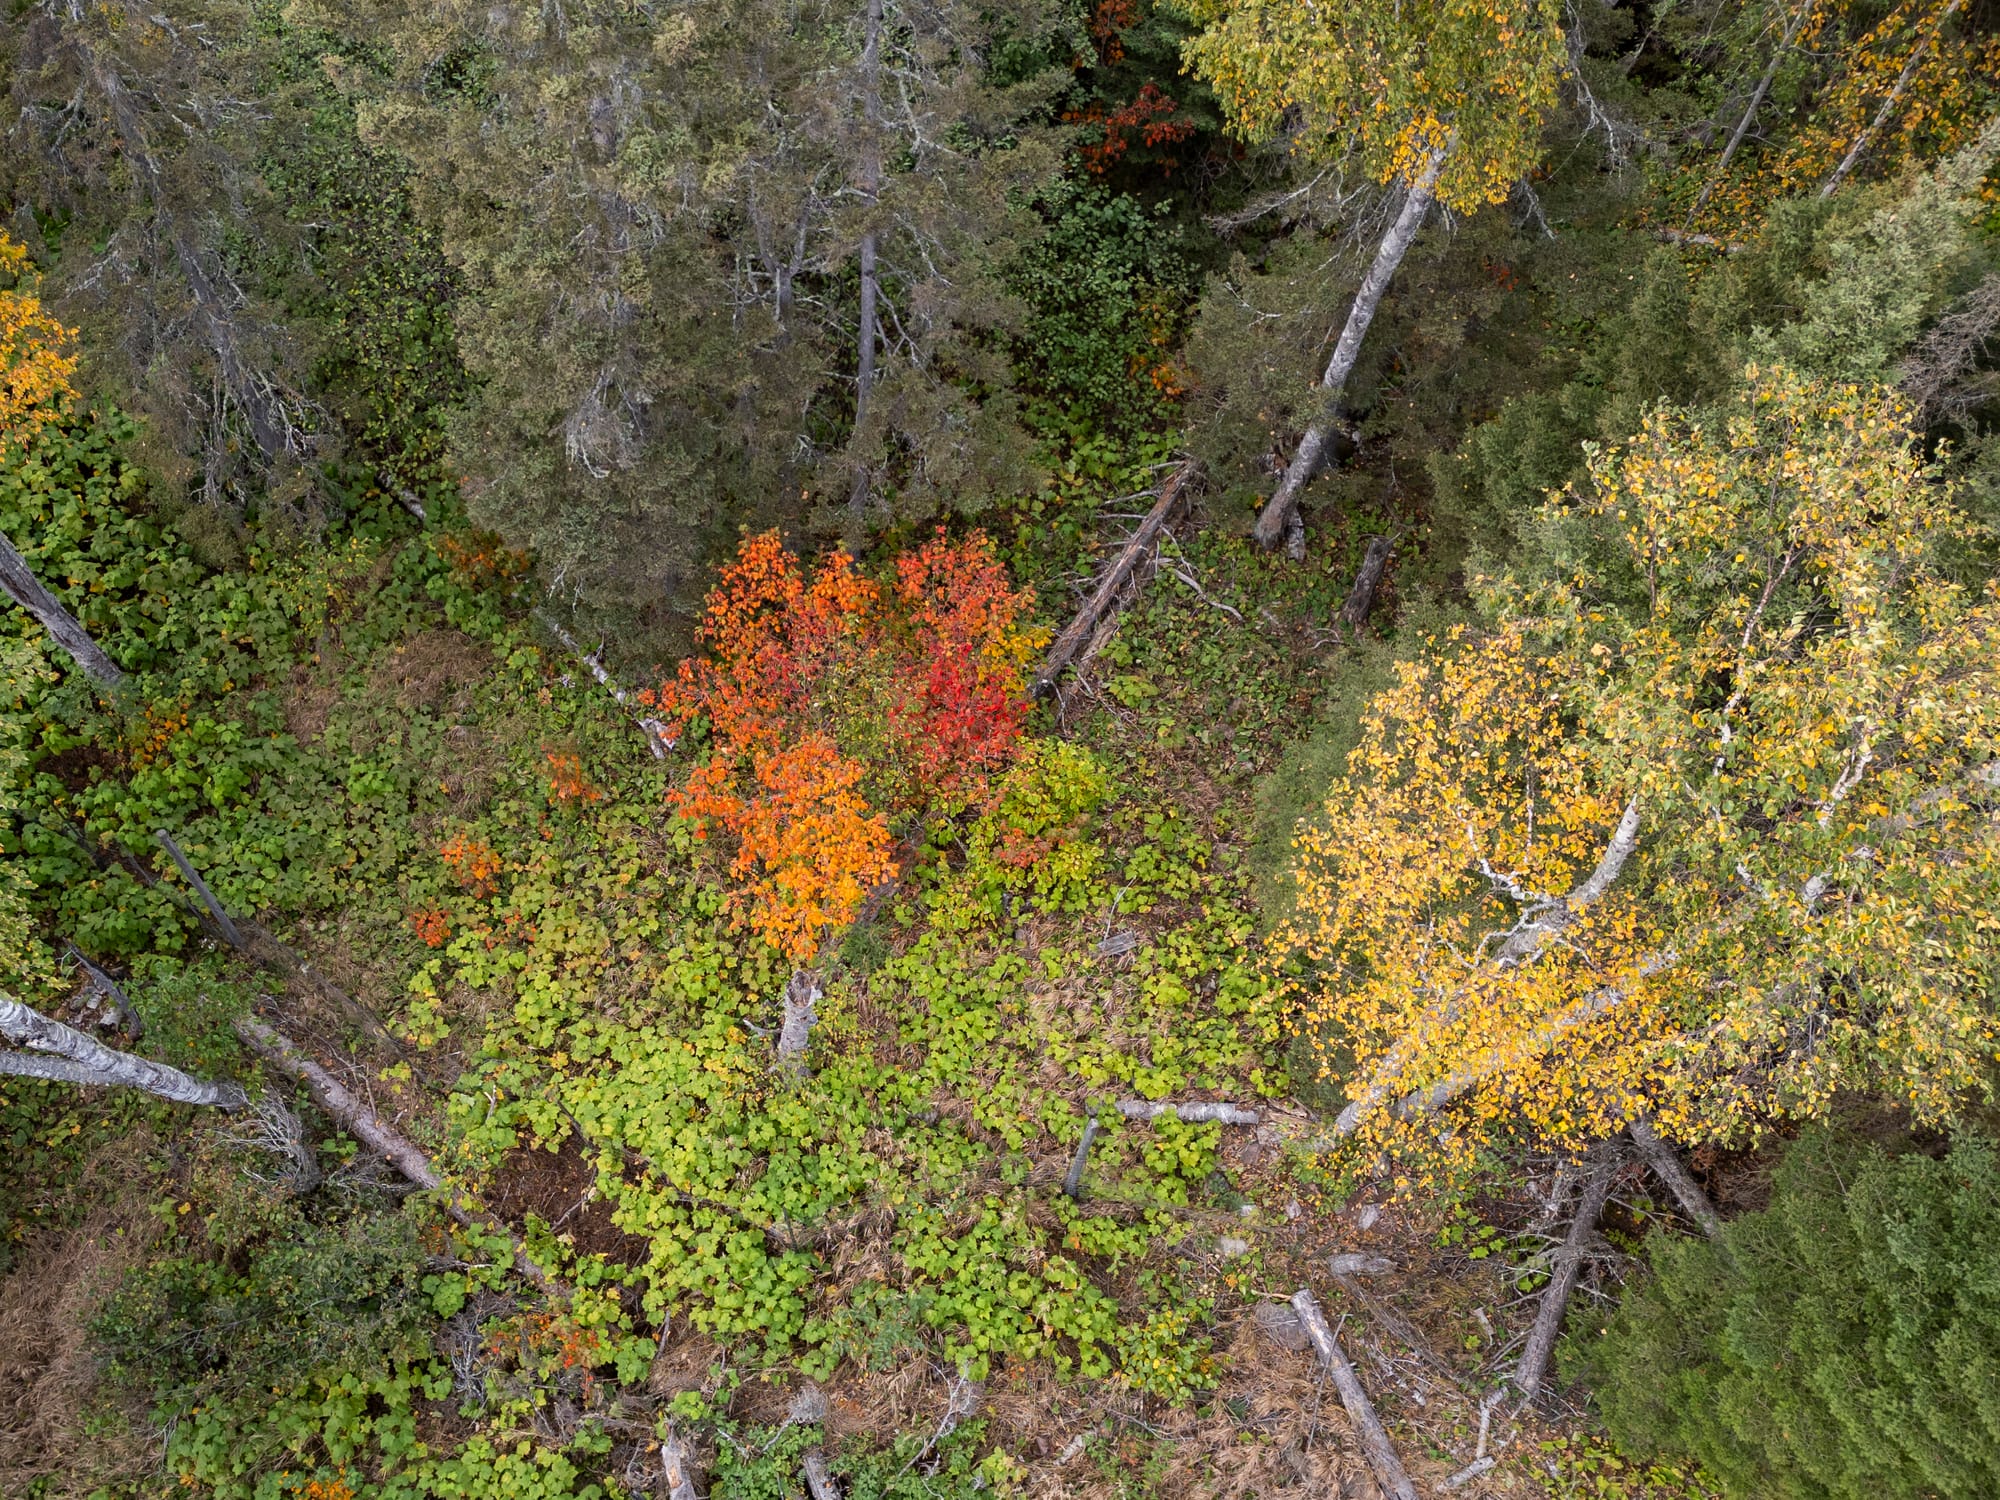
[
  {"x": 1396, "y": 79},
  {"x": 34, "y": 367},
  {"x": 1752, "y": 671}
]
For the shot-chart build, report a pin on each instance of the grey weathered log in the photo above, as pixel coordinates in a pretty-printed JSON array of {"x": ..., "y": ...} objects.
[
  {"x": 802, "y": 992},
  {"x": 340, "y": 1104},
  {"x": 1073, "y": 1183},
  {"x": 818, "y": 1480},
  {"x": 1470, "y": 1472},
  {"x": 1078, "y": 631},
  {"x": 109, "y": 989},
  {"x": 1533, "y": 1367},
  {"x": 1275, "y": 519},
  {"x": 1374, "y": 1440},
  {"x": 1361, "y": 598},
  {"x": 66, "y": 1055},
  {"x": 657, "y": 738},
  {"x": 1191, "y": 1114},
  {"x": 1889, "y": 103},
  {"x": 1359, "y": 1263},
  {"x": 225, "y": 927},
  {"x": 1660, "y": 1156},
  {"x": 26, "y": 590},
  {"x": 674, "y": 1467},
  {"x": 349, "y": 1112}
]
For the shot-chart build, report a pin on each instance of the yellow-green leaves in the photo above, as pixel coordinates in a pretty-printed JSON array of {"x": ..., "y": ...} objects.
[
  {"x": 1397, "y": 79},
  {"x": 1806, "y": 720}
]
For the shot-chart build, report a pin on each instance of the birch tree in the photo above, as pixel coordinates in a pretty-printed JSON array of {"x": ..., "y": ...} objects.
[
  {"x": 1442, "y": 99},
  {"x": 1706, "y": 857}
]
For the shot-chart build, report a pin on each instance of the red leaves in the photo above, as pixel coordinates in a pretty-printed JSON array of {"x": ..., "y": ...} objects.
[{"x": 834, "y": 706}]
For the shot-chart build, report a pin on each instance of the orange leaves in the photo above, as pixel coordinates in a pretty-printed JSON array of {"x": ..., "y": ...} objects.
[
  {"x": 431, "y": 925},
  {"x": 835, "y": 705},
  {"x": 34, "y": 369},
  {"x": 567, "y": 782},
  {"x": 473, "y": 861}
]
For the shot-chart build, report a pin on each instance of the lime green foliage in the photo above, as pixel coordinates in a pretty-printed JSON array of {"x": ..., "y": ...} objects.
[
  {"x": 763, "y": 1464},
  {"x": 1838, "y": 1344}
]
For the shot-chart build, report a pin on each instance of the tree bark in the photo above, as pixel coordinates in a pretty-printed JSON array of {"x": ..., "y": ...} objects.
[
  {"x": 795, "y": 1031},
  {"x": 1666, "y": 1166},
  {"x": 1193, "y": 1114},
  {"x": 656, "y": 732},
  {"x": 818, "y": 1480},
  {"x": 1078, "y": 630},
  {"x": 674, "y": 1468},
  {"x": 1374, "y": 1440},
  {"x": 1861, "y": 141},
  {"x": 83, "y": 1059},
  {"x": 1534, "y": 1365},
  {"x": 1361, "y": 598},
  {"x": 341, "y": 1105},
  {"x": 1277, "y": 513},
  {"x": 1073, "y": 1183},
  {"x": 63, "y": 627}
]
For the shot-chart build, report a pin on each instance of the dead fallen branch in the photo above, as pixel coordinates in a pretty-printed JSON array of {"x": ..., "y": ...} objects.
[
  {"x": 674, "y": 1468},
  {"x": 818, "y": 1479},
  {"x": 1361, "y": 598},
  {"x": 1374, "y": 1441},
  {"x": 1188, "y": 1114},
  {"x": 1079, "y": 630},
  {"x": 656, "y": 732},
  {"x": 1666, "y": 1166},
  {"x": 1534, "y": 1365},
  {"x": 361, "y": 1122}
]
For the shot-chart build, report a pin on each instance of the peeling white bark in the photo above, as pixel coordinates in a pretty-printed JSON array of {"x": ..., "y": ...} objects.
[{"x": 66, "y": 1055}]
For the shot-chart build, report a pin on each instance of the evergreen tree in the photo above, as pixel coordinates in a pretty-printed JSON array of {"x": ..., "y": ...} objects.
[{"x": 1843, "y": 1344}]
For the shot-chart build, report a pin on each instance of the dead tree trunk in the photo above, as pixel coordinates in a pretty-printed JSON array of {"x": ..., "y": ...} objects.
[
  {"x": 1374, "y": 1440},
  {"x": 656, "y": 732},
  {"x": 868, "y": 181},
  {"x": 674, "y": 1470},
  {"x": 223, "y": 926},
  {"x": 1361, "y": 598},
  {"x": 819, "y": 1479},
  {"x": 66, "y": 1055},
  {"x": 1666, "y": 1166},
  {"x": 802, "y": 993},
  {"x": 1895, "y": 97},
  {"x": 1066, "y": 645},
  {"x": 340, "y": 1105},
  {"x": 63, "y": 627},
  {"x": 1312, "y": 449},
  {"x": 1534, "y": 1365},
  {"x": 1778, "y": 54}
]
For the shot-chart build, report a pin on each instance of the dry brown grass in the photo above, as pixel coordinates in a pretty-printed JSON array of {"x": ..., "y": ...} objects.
[{"x": 50, "y": 1388}]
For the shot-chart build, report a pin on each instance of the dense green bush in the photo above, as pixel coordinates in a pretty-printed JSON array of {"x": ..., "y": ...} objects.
[{"x": 1843, "y": 1342}]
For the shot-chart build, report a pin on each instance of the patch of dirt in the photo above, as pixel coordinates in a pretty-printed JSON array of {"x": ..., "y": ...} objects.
[
  {"x": 561, "y": 1188},
  {"x": 420, "y": 670},
  {"x": 48, "y": 1369}
]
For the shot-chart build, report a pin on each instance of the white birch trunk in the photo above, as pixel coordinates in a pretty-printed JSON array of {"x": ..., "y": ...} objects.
[
  {"x": 1277, "y": 512},
  {"x": 66, "y": 1055}
]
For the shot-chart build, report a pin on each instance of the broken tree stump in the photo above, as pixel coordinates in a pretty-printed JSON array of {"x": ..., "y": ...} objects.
[{"x": 1375, "y": 1442}]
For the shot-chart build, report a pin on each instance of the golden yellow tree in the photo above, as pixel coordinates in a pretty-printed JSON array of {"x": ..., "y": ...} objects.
[
  {"x": 1446, "y": 97},
  {"x": 35, "y": 362},
  {"x": 1710, "y": 857}
]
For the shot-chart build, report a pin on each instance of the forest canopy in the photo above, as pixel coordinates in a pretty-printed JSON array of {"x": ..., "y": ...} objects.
[{"x": 1165, "y": 749}]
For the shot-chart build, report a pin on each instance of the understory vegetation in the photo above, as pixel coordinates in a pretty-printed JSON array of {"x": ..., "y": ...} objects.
[{"x": 757, "y": 748}]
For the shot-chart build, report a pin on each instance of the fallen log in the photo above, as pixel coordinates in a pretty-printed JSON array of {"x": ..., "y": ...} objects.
[
  {"x": 1073, "y": 1183},
  {"x": 1666, "y": 1166},
  {"x": 1375, "y": 1442},
  {"x": 1079, "y": 630},
  {"x": 818, "y": 1479},
  {"x": 802, "y": 993},
  {"x": 361, "y": 1122},
  {"x": 674, "y": 1468},
  {"x": 1361, "y": 598},
  {"x": 1534, "y": 1364},
  {"x": 1190, "y": 1114},
  {"x": 656, "y": 734},
  {"x": 62, "y": 1054}
]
